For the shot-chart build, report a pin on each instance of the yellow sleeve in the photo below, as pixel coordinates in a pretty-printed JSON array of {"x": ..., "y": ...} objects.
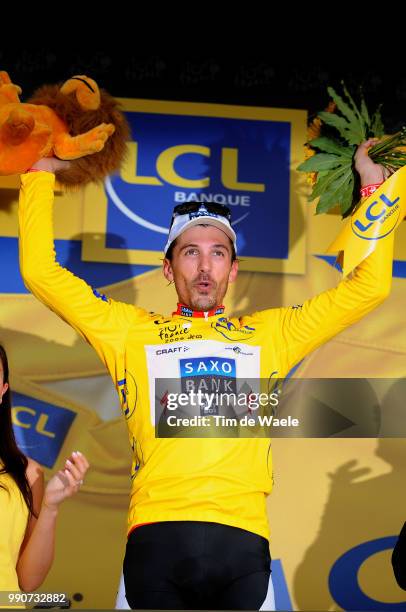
[
  {"x": 103, "y": 323},
  {"x": 298, "y": 330}
]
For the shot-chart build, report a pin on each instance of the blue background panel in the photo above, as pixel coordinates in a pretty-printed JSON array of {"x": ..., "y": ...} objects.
[
  {"x": 264, "y": 157},
  {"x": 43, "y": 428}
]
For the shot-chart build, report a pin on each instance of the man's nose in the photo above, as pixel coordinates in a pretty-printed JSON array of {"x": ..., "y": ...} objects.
[{"x": 204, "y": 262}]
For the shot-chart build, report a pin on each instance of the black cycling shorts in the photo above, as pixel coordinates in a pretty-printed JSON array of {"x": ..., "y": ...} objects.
[{"x": 179, "y": 565}]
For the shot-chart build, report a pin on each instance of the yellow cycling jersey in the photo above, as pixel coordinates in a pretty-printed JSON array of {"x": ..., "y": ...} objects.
[
  {"x": 13, "y": 521},
  {"x": 220, "y": 480}
]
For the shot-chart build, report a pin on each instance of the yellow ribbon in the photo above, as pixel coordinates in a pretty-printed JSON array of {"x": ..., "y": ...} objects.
[{"x": 374, "y": 219}]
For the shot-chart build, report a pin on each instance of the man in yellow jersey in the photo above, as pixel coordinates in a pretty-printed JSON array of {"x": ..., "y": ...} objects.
[{"x": 197, "y": 523}]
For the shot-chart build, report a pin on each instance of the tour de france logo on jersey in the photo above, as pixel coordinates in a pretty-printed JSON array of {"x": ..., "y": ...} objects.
[
  {"x": 209, "y": 375},
  {"x": 379, "y": 219},
  {"x": 168, "y": 331}
]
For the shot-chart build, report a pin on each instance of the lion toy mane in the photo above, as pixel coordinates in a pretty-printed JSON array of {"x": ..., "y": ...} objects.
[{"x": 74, "y": 121}]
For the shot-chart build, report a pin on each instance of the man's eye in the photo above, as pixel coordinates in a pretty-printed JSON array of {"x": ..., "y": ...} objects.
[
  {"x": 191, "y": 252},
  {"x": 221, "y": 253}
]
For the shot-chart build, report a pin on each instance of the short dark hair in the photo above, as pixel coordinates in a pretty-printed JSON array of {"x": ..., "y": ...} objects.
[{"x": 169, "y": 252}]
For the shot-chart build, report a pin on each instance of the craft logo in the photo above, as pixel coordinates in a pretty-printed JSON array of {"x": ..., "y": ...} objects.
[
  {"x": 40, "y": 428},
  {"x": 379, "y": 220},
  {"x": 208, "y": 375},
  {"x": 172, "y": 349}
]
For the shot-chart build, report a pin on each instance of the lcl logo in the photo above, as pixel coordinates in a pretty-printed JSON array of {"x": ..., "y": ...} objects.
[
  {"x": 28, "y": 418},
  {"x": 379, "y": 220},
  {"x": 165, "y": 169}
]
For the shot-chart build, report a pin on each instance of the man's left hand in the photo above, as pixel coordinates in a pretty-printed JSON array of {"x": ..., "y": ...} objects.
[{"x": 370, "y": 172}]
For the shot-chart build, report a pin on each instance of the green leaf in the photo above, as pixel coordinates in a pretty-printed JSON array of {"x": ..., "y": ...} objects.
[
  {"x": 322, "y": 178},
  {"x": 337, "y": 189},
  {"x": 385, "y": 147},
  {"x": 328, "y": 145},
  {"x": 325, "y": 182},
  {"x": 335, "y": 121},
  {"x": 322, "y": 183},
  {"x": 377, "y": 127},
  {"x": 347, "y": 201},
  {"x": 325, "y": 203},
  {"x": 354, "y": 106},
  {"x": 343, "y": 107},
  {"x": 353, "y": 133},
  {"x": 364, "y": 112},
  {"x": 324, "y": 207},
  {"x": 321, "y": 161}
]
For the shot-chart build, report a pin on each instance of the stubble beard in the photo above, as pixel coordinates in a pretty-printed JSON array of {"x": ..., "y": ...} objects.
[{"x": 204, "y": 301}]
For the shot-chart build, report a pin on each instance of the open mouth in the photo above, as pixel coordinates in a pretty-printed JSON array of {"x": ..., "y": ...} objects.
[{"x": 204, "y": 285}]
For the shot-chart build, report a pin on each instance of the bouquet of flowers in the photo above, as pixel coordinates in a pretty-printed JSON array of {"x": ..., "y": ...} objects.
[{"x": 333, "y": 137}]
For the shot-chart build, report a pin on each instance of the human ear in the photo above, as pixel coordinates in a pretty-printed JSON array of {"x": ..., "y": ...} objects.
[
  {"x": 3, "y": 391},
  {"x": 233, "y": 272},
  {"x": 167, "y": 270}
]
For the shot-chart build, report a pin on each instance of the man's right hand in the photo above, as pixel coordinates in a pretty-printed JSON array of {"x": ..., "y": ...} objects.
[{"x": 50, "y": 164}]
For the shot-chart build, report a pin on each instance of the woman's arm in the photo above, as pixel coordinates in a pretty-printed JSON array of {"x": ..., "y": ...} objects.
[{"x": 37, "y": 549}]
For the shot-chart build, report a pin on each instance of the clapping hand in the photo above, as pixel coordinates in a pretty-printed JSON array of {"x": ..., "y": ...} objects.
[{"x": 66, "y": 482}]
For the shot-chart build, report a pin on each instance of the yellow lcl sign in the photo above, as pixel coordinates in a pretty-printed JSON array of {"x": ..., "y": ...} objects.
[
  {"x": 37, "y": 420},
  {"x": 165, "y": 167}
]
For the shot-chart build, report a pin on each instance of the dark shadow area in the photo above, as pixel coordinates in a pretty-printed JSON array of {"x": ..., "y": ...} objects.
[
  {"x": 262, "y": 79},
  {"x": 356, "y": 512}
]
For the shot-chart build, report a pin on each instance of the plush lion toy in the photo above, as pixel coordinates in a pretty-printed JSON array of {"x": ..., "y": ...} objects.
[{"x": 76, "y": 121}]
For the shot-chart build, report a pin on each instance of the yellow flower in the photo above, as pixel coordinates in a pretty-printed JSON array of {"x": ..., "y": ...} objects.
[
  {"x": 311, "y": 178},
  {"x": 313, "y": 130}
]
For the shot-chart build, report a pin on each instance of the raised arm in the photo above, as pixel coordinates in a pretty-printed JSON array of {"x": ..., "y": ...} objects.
[
  {"x": 302, "y": 329},
  {"x": 102, "y": 322}
]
